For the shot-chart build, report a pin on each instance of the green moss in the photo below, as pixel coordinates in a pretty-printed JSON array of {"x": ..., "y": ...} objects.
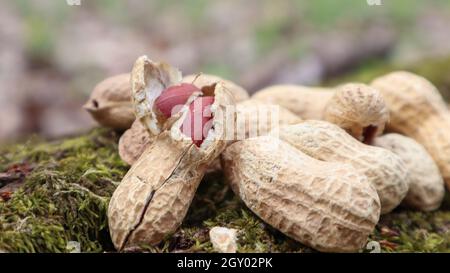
[
  {"x": 65, "y": 197},
  {"x": 409, "y": 231}
]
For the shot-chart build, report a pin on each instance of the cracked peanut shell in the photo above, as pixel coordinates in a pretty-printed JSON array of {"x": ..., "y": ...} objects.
[{"x": 154, "y": 196}]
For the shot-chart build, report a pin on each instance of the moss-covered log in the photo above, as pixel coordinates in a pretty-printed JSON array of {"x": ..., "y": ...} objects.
[{"x": 67, "y": 184}]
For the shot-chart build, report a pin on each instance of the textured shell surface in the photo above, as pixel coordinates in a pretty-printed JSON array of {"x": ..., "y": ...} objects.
[
  {"x": 426, "y": 189},
  {"x": 255, "y": 118},
  {"x": 411, "y": 100},
  {"x": 110, "y": 102},
  {"x": 143, "y": 209},
  {"x": 434, "y": 136},
  {"x": 305, "y": 102},
  {"x": 115, "y": 88},
  {"x": 155, "y": 194},
  {"x": 409, "y": 87},
  {"x": 133, "y": 142},
  {"x": 325, "y": 141},
  {"x": 201, "y": 80},
  {"x": 354, "y": 107},
  {"x": 328, "y": 206},
  {"x": 418, "y": 111},
  {"x": 137, "y": 139}
]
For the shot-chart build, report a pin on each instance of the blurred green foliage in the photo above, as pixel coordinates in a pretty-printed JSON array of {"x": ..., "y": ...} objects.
[
  {"x": 43, "y": 22},
  {"x": 219, "y": 69},
  {"x": 435, "y": 70},
  {"x": 39, "y": 38}
]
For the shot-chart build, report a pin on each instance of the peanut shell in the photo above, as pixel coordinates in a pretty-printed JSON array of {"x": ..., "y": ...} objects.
[
  {"x": 305, "y": 102},
  {"x": 134, "y": 142},
  {"x": 358, "y": 109},
  {"x": 328, "y": 206},
  {"x": 418, "y": 111},
  {"x": 325, "y": 141},
  {"x": 154, "y": 196},
  {"x": 426, "y": 189},
  {"x": 255, "y": 118},
  {"x": 110, "y": 103}
]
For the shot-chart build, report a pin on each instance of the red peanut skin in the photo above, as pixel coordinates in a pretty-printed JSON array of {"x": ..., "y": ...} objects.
[
  {"x": 173, "y": 96},
  {"x": 197, "y": 122}
]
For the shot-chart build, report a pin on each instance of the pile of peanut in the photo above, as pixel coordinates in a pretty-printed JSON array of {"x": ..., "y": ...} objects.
[{"x": 323, "y": 173}]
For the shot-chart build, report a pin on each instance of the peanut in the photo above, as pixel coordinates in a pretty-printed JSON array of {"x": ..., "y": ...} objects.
[
  {"x": 305, "y": 102},
  {"x": 197, "y": 125},
  {"x": 358, "y": 109},
  {"x": 133, "y": 142},
  {"x": 110, "y": 102},
  {"x": 325, "y": 141},
  {"x": 174, "y": 96},
  {"x": 426, "y": 189},
  {"x": 418, "y": 111},
  {"x": 239, "y": 94},
  {"x": 155, "y": 194},
  {"x": 328, "y": 206}
]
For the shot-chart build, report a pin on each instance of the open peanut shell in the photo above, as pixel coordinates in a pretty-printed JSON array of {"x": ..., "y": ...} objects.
[{"x": 154, "y": 196}]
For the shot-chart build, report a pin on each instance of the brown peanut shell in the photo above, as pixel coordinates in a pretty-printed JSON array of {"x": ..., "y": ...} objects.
[
  {"x": 325, "y": 141},
  {"x": 328, "y": 206},
  {"x": 154, "y": 196},
  {"x": 261, "y": 118},
  {"x": 418, "y": 111},
  {"x": 358, "y": 109},
  {"x": 110, "y": 103},
  {"x": 305, "y": 102},
  {"x": 134, "y": 142},
  {"x": 426, "y": 188}
]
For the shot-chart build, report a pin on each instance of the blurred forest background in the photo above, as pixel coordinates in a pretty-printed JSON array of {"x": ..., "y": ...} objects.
[{"x": 53, "y": 54}]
